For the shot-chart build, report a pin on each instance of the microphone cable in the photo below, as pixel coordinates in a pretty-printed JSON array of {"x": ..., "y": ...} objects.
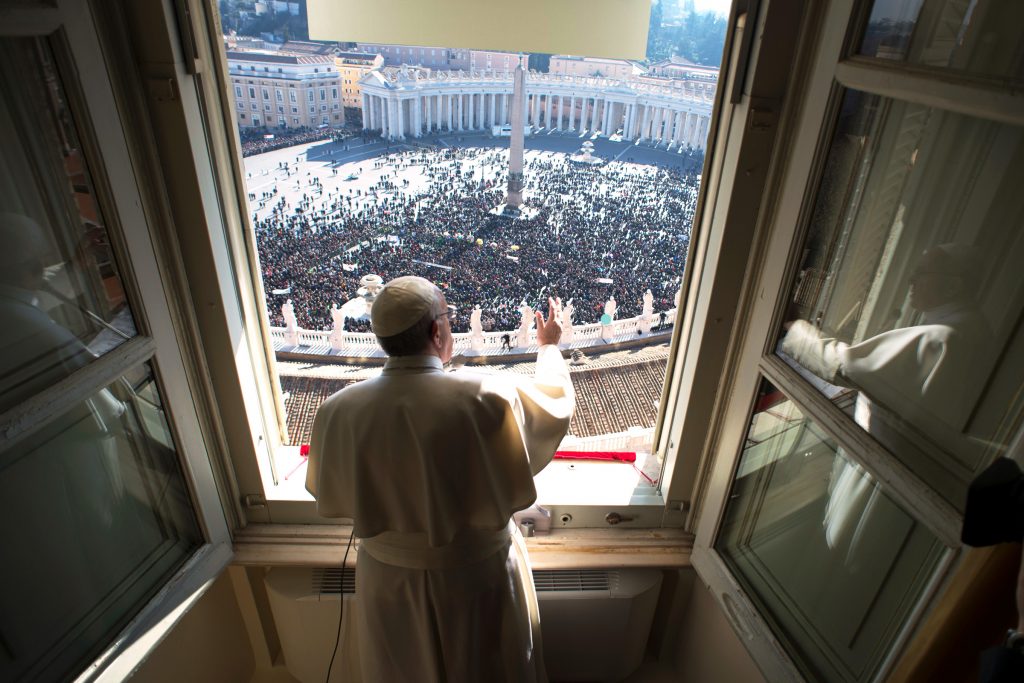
[{"x": 341, "y": 602}]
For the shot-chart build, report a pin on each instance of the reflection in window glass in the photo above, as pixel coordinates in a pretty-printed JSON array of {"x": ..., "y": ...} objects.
[
  {"x": 97, "y": 509},
  {"x": 907, "y": 308},
  {"x": 981, "y": 38},
  {"x": 61, "y": 298},
  {"x": 833, "y": 563}
]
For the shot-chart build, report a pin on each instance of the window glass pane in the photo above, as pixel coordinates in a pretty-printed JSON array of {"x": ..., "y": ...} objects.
[
  {"x": 96, "y": 515},
  {"x": 909, "y": 300},
  {"x": 979, "y": 38},
  {"x": 832, "y": 562},
  {"x": 61, "y": 299}
]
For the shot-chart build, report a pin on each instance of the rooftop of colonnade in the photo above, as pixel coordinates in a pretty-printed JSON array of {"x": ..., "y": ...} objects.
[{"x": 414, "y": 78}]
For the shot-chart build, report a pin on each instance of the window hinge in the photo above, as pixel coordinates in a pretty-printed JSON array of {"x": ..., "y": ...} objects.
[{"x": 254, "y": 501}]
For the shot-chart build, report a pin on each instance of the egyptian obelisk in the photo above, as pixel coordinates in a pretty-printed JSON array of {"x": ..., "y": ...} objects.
[{"x": 515, "y": 155}]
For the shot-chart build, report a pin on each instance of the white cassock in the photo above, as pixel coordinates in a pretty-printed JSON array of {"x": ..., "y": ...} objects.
[
  {"x": 430, "y": 465},
  {"x": 926, "y": 376}
]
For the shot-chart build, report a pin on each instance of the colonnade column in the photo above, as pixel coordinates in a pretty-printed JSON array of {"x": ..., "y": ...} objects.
[
  {"x": 558, "y": 111},
  {"x": 583, "y": 114},
  {"x": 594, "y": 120},
  {"x": 417, "y": 116},
  {"x": 606, "y": 122},
  {"x": 702, "y": 132},
  {"x": 460, "y": 111},
  {"x": 643, "y": 123},
  {"x": 494, "y": 108}
]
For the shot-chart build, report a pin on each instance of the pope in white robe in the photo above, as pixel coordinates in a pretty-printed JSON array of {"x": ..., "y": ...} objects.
[
  {"x": 430, "y": 465},
  {"x": 926, "y": 377}
]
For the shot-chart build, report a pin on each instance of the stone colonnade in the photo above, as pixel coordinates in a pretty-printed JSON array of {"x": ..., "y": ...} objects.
[{"x": 414, "y": 107}]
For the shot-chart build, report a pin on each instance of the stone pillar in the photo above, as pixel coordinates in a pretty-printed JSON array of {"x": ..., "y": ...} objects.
[
  {"x": 385, "y": 118},
  {"x": 645, "y": 122},
  {"x": 583, "y": 114},
  {"x": 418, "y": 116},
  {"x": 366, "y": 111},
  {"x": 504, "y": 109},
  {"x": 558, "y": 112},
  {"x": 451, "y": 101},
  {"x": 493, "y": 107},
  {"x": 607, "y": 121},
  {"x": 401, "y": 119},
  {"x": 514, "y": 196},
  {"x": 460, "y": 119}
]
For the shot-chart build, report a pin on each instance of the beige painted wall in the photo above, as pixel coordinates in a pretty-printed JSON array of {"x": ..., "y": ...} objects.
[
  {"x": 701, "y": 645},
  {"x": 209, "y": 644}
]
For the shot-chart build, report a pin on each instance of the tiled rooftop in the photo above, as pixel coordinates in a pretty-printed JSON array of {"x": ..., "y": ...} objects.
[{"x": 612, "y": 394}]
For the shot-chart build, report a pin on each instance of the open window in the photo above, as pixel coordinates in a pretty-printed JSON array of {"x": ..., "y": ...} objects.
[
  {"x": 111, "y": 514},
  {"x": 880, "y": 369},
  {"x": 415, "y": 184}
]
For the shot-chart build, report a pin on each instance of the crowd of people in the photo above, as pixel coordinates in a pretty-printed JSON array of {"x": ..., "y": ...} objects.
[
  {"x": 590, "y": 233},
  {"x": 259, "y": 141}
]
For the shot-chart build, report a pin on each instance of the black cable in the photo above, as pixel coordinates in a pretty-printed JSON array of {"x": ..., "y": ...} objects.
[{"x": 341, "y": 603}]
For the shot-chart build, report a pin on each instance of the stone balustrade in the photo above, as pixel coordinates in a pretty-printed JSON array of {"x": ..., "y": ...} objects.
[{"x": 364, "y": 344}]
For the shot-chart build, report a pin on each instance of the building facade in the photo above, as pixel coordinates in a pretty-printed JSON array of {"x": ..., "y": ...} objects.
[
  {"x": 448, "y": 59},
  {"x": 403, "y": 103},
  {"x": 273, "y": 90},
  {"x": 678, "y": 67},
  {"x": 568, "y": 65},
  {"x": 352, "y": 66}
]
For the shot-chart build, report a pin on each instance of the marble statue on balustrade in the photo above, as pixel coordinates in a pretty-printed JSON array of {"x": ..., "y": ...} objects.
[
  {"x": 568, "y": 310},
  {"x": 476, "y": 330},
  {"x": 610, "y": 307},
  {"x": 523, "y": 335},
  {"x": 337, "y": 338},
  {"x": 647, "y": 314},
  {"x": 291, "y": 324}
]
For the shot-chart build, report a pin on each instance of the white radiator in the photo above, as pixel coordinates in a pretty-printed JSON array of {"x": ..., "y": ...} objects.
[{"x": 594, "y": 623}]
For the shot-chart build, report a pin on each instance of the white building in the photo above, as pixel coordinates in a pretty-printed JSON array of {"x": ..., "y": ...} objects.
[{"x": 406, "y": 102}]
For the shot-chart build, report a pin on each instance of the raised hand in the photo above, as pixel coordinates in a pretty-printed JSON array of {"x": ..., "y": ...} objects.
[{"x": 550, "y": 331}]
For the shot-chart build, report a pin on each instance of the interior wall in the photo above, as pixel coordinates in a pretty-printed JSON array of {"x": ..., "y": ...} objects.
[
  {"x": 209, "y": 645},
  {"x": 700, "y": 645}
]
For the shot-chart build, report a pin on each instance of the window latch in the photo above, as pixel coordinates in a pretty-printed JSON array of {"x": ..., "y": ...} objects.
[{"x": 254, "y": 501}]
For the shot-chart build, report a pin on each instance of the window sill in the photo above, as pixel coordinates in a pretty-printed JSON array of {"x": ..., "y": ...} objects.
[
  {"x": 561, "y": 483},
  {"x": 317, "y": 545}
]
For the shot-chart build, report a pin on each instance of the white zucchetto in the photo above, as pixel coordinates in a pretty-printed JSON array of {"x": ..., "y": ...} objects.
[{"x": 401, "y": 304}]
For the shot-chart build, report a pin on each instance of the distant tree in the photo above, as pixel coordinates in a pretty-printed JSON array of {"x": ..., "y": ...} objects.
[
  {"x": 700, "y": 38},
  {"x": 654, "y": 31},
  {"x": 539, "y": 62}
]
